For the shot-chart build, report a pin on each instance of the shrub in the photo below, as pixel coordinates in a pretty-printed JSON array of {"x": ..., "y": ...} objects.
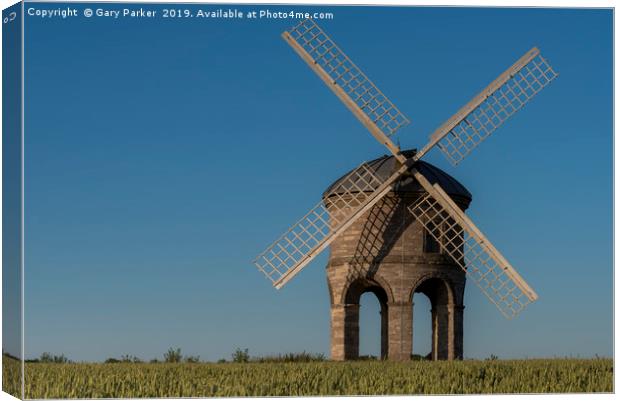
[
  {"x": 173, "y": 355},
  {"x": 130, "y": 359},
  {"x": 192, "y": 358},
  {"x": 46, "y": 357},
  {"x": 241, "y": 356}
]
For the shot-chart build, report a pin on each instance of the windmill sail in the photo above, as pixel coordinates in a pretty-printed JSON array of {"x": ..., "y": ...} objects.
[
  {"x": 378, "y": 114},
  {"x": 356, "y": 193},
  {"x": 479, "y": 118},
  {"x": 471, "y": 250}
]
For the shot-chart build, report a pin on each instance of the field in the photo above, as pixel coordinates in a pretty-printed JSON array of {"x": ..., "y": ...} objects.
[
  {"x": 125, "y": 380},
  {"x": 11, "y": 378}
]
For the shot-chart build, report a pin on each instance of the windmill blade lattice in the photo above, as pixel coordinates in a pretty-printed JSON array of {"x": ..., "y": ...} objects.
[
  {"x": 356, "y": 193},
  {"x": 490, "y": 109},
  {"x": 471, "y": 250},
  {"x": 378, "y": 114}
]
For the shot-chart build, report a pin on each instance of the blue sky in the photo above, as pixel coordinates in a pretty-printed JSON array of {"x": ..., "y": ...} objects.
[{"x": 163, "y": 155}]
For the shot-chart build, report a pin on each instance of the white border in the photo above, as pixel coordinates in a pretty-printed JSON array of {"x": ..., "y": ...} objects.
[{"x": 469, "y": 3}]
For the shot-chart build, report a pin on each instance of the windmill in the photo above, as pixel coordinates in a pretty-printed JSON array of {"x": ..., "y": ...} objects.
[{"x": 359, "y": 191}]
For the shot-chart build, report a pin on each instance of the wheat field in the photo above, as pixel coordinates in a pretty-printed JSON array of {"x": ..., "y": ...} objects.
[{"x": 129, "y": 380}]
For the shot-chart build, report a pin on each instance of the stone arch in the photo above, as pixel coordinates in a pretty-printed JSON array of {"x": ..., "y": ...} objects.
[
  {"x": 351, "y": 301},
  {"x": 356, "y": 287},
  {"x": 446, "y": 313},
  {"x": 443, "y": 281}
]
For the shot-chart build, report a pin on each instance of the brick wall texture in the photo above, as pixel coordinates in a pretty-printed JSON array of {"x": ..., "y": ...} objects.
[{"x": 383, "y": 252}]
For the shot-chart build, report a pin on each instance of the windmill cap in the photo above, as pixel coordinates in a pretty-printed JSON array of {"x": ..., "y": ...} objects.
[{"x": 384, "y": 166}]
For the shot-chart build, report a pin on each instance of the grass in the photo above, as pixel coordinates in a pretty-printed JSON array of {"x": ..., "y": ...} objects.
[
  {"x": 11, "y": 377},
  {"x": 126, "y": 380}
]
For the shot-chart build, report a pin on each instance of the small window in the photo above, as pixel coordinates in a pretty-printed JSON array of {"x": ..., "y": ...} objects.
[{"x": 430, "y": 244}]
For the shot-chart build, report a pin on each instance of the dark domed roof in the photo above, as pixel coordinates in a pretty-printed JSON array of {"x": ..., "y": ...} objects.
[{"x": 384, "y": 166}]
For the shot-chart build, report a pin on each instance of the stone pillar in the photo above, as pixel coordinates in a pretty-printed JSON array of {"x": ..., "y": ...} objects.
[
  {"x": 456, "y": 311},
  {"x": 384, "y": 331},
  {"x": 447, "y": 332},
  {"x": 441, "y": 332},
  {"x": 345, "y": 331},
  {"x": 400, "y": 335}
]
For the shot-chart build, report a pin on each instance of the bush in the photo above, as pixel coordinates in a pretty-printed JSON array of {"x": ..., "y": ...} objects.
[
  {"x": 173, "y": 356},
  {"x": 241, "y": 356},
  {"x": 130, "y": 359},
  {"x": 192, "y": 359},
  {"x": 46, "y": 357},
  {"x": 124, "y": 359}
]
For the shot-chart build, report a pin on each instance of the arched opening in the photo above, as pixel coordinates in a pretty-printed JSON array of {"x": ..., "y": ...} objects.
[
  {"x": 375, "y": 299},
  {"x": 370, "y": 326},
  {"x": 438, "y": 326},
  {"x": 422, "y": 327}
]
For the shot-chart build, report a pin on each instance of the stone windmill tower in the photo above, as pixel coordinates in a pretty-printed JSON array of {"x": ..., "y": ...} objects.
[
  {"x": 396, "y": 225},
  {"x": 387, "y": 252}
]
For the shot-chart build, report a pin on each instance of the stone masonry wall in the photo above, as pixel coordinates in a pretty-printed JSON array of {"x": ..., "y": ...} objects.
[{"x": 383, "y": 252}]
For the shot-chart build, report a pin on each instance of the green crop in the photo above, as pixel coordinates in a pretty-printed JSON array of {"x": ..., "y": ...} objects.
[
  {"x": 127, "y": 380},
  {"x": 11, "y": 376}
]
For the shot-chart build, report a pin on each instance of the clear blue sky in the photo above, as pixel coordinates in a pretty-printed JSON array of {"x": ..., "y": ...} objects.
[{"x": 162, "y": 156}]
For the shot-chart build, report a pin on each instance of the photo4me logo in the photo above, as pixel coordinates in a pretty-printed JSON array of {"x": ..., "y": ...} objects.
[{"x": 177, "y": 12}]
